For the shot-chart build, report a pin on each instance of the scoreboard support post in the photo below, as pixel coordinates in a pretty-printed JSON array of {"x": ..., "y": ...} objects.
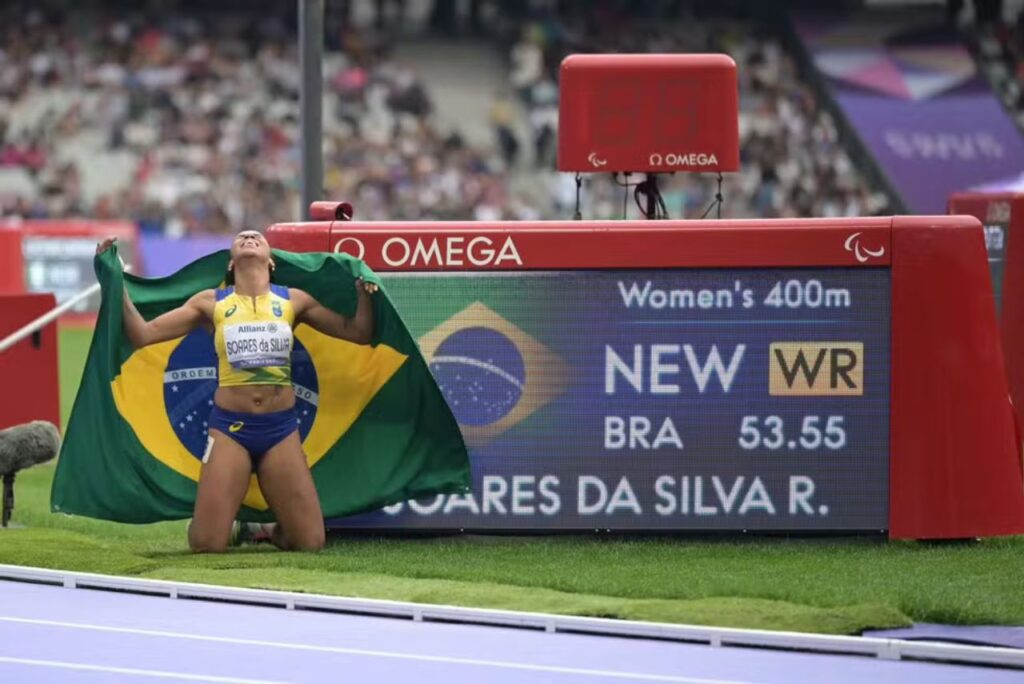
[{"x": 859, "y": 359}]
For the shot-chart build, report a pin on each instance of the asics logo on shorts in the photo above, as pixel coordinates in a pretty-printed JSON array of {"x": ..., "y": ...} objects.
[{"x": 236, "y": 426}]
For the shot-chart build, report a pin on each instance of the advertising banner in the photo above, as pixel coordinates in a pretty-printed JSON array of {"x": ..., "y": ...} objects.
[
  {"x": 916, "y": 100},
  {"x": 712, "y": 399}
]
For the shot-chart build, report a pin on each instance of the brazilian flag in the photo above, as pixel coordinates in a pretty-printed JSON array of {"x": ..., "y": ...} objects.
[{"x": 374, "y": 426}]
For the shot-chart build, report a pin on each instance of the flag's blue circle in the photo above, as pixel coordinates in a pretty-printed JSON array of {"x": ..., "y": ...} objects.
[{"x": 481, "y": 372}]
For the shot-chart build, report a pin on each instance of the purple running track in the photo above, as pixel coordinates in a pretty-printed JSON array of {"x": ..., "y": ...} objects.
[{"x": 53, "y": 634}]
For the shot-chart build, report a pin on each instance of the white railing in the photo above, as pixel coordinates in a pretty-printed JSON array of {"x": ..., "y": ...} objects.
[{"x": 48, "y": 317}]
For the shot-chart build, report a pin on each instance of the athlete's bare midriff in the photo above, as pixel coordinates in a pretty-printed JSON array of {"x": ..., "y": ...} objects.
[{"x": 255, "y": 398}]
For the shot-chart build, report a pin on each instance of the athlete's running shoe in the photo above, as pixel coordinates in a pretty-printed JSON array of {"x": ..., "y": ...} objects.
[{"x": 249, "y": 533}]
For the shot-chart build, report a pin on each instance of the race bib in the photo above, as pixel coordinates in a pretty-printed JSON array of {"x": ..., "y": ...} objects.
[{"x": 258, "y": 345}]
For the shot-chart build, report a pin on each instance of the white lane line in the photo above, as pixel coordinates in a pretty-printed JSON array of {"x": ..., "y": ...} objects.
[
  {"x": 614, "y": 674},
  {"x": 133, "y": 671}
]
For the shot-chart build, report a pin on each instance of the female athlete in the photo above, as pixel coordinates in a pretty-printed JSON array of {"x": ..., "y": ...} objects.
[{"x": 252, "y": 427}]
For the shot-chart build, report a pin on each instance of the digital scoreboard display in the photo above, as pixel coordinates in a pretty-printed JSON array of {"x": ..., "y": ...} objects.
[
  {"x": 61, "y": 265},
  {"x": 58, "y": 256},
  {"x": 658, "y": 399}
]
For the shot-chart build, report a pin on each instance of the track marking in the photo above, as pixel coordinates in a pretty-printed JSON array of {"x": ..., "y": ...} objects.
[
  {"x": 614, "y": 674},
  {"x": 134, "y": 671}
]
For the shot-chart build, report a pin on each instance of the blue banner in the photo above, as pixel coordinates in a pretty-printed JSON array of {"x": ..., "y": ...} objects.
[
  {"x": 163, "y": 256},
  {"x": 917, "y": 101}
]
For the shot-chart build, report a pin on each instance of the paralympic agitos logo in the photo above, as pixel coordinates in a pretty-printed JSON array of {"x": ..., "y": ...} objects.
[{"x": 440, "y": 252}]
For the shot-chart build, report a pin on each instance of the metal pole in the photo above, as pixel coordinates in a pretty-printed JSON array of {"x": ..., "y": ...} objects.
[{"x": 311, "y": 52}]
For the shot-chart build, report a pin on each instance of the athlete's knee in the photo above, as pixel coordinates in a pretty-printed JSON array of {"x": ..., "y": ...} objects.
[
  {"x": 312, "y": 539},
  {"x": 206, "y": 546},
  {"x": 204, "y": 542}
]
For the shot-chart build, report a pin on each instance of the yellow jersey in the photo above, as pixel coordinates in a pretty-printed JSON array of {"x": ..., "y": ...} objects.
[{"x": 253, "y": 337}]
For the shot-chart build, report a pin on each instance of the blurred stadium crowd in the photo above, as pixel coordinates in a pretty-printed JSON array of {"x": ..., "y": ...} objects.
[
  {"x": 996, "y": 33},
  {"x": 190, "y": 126}
]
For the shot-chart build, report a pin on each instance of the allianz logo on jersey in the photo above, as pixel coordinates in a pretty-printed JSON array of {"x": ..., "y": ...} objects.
[
  {"x": 442, "y": 252},
  {"x": 682, "y": 159}
]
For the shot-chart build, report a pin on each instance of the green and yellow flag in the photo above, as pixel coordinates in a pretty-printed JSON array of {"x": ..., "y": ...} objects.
[{"x": 374, "y": 425}]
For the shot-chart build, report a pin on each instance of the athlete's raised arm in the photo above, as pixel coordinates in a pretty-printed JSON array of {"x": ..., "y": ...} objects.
[
  {"x": 166, "y": 326},
  {"x": 358, "y": 329}
]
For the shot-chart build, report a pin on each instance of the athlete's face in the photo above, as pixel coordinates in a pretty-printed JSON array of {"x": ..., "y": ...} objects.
[{"x": 250, "y": 243}]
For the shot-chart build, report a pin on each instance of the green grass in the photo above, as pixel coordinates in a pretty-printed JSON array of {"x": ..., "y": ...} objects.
[
  {"x": 830, "y": 586},
  {"x": 72, "y": 348}
]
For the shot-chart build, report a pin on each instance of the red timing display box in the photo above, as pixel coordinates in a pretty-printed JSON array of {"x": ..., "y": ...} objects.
[{"x": 648, "y": 113}]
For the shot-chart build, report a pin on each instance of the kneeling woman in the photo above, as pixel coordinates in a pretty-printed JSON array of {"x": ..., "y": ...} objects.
[{"x": 253, "y": 426}]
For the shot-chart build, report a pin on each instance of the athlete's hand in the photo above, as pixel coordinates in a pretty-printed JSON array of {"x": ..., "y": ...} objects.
[
  {"x": 368, "y": 288},
  {"x": 105, "y": 245}
]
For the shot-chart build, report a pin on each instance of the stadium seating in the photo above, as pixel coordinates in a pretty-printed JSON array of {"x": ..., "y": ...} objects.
[{"x": 190, "y": 126}]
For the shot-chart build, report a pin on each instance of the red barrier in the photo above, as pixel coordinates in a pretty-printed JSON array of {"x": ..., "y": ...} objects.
[
  {"x": 12, "y": 269},
  {"x": 29, "y": 368},
  {"x": 1003, "y": 217},
  {"x": 955, "y": 455},
  {"x": 954, "y": 458}
]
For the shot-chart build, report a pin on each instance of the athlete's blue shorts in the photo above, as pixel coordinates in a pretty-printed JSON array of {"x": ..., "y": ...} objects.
[{"x": 258, "y": 433}]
